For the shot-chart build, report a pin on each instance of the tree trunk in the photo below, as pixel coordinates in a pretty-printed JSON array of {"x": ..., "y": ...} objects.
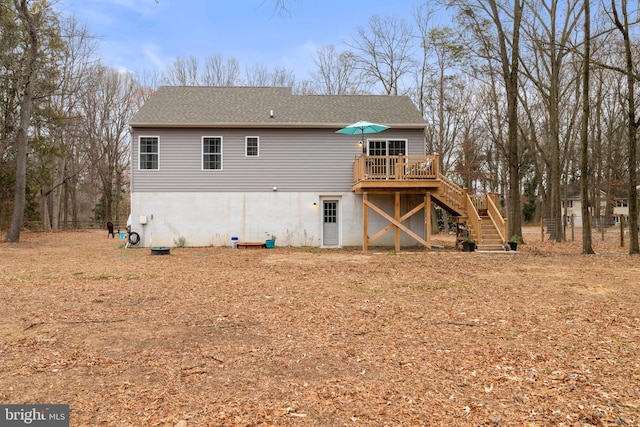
[
  {"x": 632, "y": 125},
  {"x": 46, "y": 217},
  {"x": 57, "y": 193},
  {"x": 22, "y": 135},
  {"x": 632, "y": 131},
  {"x": 515, "y": 208},
  {"x": 555, "y": 196},
  {"x": 587, "y": 247},
  {"x": 74, "y": 203}
]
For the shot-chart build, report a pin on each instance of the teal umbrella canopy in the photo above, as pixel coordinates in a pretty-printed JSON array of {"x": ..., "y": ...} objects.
[{"x": 362, "y": 127}]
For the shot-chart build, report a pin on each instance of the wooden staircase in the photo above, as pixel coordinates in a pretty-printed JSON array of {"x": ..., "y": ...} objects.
[
  {"x": 491, "y": 240},
  {"x": 489, "y": 230}
]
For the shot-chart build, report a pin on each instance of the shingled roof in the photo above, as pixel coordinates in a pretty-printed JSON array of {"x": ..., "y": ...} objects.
[{"x": 198, "y": 106}]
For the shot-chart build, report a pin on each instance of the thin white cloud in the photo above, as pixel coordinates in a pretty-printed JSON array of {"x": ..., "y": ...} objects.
[{"x": 151, "y": 52}]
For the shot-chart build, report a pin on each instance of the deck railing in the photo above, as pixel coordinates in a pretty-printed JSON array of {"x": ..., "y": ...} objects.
[
  {"x": 479, "y": 202},
  {"x": 399, "y": 167}
]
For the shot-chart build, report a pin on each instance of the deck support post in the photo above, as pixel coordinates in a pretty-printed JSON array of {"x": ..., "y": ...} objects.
[
  {"x": 427, "y": 219},
  {"x": 398, "y": 221},
  {"x": 365, "y": 221}
]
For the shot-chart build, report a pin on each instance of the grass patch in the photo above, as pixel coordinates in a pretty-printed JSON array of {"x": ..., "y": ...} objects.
[{"x": 104, "y": 277}]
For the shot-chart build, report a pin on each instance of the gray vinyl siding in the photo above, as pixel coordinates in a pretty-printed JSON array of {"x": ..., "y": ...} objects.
[{"x": 294, "y": 160}]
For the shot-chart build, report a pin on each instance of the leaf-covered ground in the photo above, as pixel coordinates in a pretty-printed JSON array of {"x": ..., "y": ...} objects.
[{"x": 313, "y": 337}]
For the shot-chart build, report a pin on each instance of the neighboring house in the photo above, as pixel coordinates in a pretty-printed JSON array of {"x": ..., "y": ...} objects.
[
  {"x": 572, "y": 206},
  {"x": 213, "y": 163}
]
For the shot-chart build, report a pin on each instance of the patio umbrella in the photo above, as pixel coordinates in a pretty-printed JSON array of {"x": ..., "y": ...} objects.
[{"x": 361, "y": 128}]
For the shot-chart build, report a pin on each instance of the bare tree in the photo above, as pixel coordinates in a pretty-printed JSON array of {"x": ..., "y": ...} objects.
[
  {"x": 492, "y": 115},
  {"x": 257, "y": 75},
  {"x": 26, "y": 95},
  {"x": 423, "y": 15},
  {"x": 620, "y": 17},
  {"x": 587, "y": 247},
  {"x": 182, "y": 72},
  {"x": 74, "y": 66},
  {"x": 510, "y": 60},
  {"x": 10, "y": 54},
  {"x": 282, "y": 77},
  {"x": 550, "y": 34},
  {"x": 483, "y": 17},
  {"x": 107, "y": 108},
  {"x": 446, "y": 106},
  {"x": 607, "y": 129},
  {"x": 150, "y": 79},
  {"x": 336, "y": 72},
  {"x": 218, "y": 72},
  {"x": 470, "y": 160},
  {"x": 384, "y": 51}
]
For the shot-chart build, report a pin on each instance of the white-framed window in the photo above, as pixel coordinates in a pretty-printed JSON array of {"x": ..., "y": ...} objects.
[
  {"x": 149, "y": 153},
  {"x": 252, "y": 146},
  {"x": 377, "y": 147},
  {"x": 387, "y": 147},
  {"x": 211, "y": 152}
]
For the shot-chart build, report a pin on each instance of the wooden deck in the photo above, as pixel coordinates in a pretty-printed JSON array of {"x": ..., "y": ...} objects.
[
  {"x": 393, "y": 173},
  {"x": 408, "y": 175}
]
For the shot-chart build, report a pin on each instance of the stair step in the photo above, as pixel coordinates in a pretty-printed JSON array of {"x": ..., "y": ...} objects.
[{"x": 493, "y": 247}]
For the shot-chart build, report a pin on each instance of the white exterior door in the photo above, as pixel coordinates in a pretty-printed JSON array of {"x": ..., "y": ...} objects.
[{"x": 330, "y": 223}]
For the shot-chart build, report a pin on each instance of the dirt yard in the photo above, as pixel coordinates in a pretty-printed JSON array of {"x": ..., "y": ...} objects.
[{"x": 309, "y": 337}]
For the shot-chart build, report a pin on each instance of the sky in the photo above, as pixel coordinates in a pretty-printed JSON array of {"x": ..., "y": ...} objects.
[{"x": 145, "y": 35}]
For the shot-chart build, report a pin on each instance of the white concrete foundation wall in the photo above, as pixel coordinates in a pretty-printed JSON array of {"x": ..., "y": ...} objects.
[
  {"x": 212, "y": 219},
  {"x": 577, "y": 217}
]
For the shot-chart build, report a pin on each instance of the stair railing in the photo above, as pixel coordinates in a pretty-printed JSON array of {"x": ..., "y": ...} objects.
[
  {"x": 496, "y": 217},
  {"x": 452, "y": 193},
  {"x": 473, "y": 219}
]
